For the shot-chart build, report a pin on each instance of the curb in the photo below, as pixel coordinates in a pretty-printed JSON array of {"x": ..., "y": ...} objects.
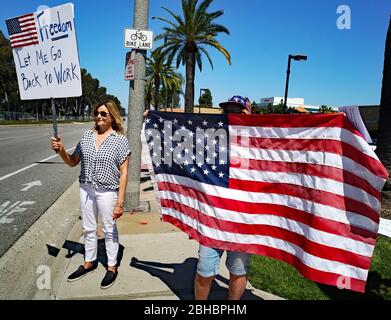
[
  {"x": 29, "y": 259},
  {"x": 59, "y": 267}
]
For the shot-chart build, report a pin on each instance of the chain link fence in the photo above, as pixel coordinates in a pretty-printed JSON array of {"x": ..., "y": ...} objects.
[{"x": 13, "y": 115}]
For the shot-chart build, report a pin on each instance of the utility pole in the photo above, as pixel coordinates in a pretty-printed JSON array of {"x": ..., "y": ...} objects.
[
  {"x": 297, "y": 57},
  {"x": 136, "y": 109},
  {"x": 288, "y": 72}
]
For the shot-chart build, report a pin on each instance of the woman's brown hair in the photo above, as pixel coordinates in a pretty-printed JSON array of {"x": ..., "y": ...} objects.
[{"x": 114, "y": 112}]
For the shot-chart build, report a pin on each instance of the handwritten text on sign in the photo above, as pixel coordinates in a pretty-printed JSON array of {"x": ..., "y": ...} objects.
[{"x": 50, "y": 69}]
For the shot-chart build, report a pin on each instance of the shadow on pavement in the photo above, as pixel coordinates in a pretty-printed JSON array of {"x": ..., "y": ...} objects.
[
  {"x": 52, "y": 251},
  {"x": 180, "y": 279},
  {"x": 50, "y": 162},
  {"x": 76, "y": 247},
  {"x": 148, "y": 189},
  {"x": 144, "y": 179}
]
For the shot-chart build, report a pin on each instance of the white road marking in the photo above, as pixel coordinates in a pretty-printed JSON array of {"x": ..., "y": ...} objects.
[
  {"x": 31, "y": 184},
  {"x": 29, "y": 166},
  {"x": 6, "y": 210}
]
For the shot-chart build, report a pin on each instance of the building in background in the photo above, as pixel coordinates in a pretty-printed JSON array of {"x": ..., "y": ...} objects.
[
  {"x": 291, "y": 102},
  {"x": 370, "y": 116}
]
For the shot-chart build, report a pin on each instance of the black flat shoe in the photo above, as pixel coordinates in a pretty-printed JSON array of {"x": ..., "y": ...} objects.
[
  {"x": 81, "y": 272},
  {"x": 109, "y": 279}
]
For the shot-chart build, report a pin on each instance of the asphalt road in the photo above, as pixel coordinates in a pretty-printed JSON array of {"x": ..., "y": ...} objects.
[{"x": 32, "y": 176}]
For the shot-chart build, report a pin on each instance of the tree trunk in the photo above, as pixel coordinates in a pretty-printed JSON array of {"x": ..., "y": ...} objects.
[
  {"x": 157, "y": 87},
  {"x": 166, "y": 102},
  {"x": 5, "y": 100},
  {"x": 172, "y": 99},
  {"x": 43, "y": 105},
  {"x": 78, "y": 113},
  {"x": 383, "y": 148},
  {"x": 189, "y": 91}
]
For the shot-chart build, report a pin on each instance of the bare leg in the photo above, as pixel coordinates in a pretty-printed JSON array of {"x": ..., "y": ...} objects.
[
  {"x": 111, "y": 268},
  {"x": 88, "y": 264},
  {"x": 237, "y": 285},
  {"x": 202, "y": 287}
]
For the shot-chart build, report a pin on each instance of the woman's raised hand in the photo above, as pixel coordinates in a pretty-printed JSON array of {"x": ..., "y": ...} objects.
[{"x": 57, "y": 144}]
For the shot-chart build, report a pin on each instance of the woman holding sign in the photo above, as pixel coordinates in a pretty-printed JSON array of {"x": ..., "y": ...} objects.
[{"x": 104, "y": 154}]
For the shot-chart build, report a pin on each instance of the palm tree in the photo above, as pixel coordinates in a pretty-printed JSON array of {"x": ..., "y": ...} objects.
[
  {"x": 155, "y": 68},
  {"x": 383, "y": 148},
  {"x": 186, "y": 38},
  {"x": 172, "y": 87},
  {"x": 159, "y": 72},
  {"x": 148, "y": 94}
]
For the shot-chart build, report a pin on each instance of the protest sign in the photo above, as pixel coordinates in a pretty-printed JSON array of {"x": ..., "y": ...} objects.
[
  {"x": 45, "y": 53},
  {"x": 353, "y": 114},
  {"x": 385, "y": 227}
]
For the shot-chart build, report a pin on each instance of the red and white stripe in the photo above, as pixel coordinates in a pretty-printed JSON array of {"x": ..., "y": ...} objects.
[
  {"x": 29, "y": 33},
  {"x": 302, "y": 189}
]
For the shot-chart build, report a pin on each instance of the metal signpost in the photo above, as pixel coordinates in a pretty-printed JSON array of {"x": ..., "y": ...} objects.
[
  {"x": 54, "y": 116},
  {"x": 141, "y": 40}
]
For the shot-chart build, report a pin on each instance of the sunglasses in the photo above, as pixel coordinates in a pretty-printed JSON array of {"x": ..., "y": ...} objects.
[{"x": 103, "y": 114}]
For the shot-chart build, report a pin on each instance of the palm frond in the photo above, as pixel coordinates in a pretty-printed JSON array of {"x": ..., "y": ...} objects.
[
  {"x": 181, "y": 57},
  {"x": 206, "y": 54},
  {"x": 167, "y": 21},
  {"x": 203, "y": 7},
  {"x": 174, "y": 15},
  {"x": 218, "y": 28},
  {"x": 198, "y": 59},
  {"x": 215, "y": 15}
]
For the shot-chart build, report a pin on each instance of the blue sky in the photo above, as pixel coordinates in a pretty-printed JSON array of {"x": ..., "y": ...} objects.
[{"x": 344, "y": 67}]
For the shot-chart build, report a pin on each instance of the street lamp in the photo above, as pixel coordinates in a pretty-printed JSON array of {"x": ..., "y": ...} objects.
[
  {"x": 297, "y": 57},
  {"x": 199, "y": 106}
]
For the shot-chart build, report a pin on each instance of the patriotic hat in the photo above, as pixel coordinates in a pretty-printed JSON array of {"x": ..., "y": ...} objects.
[{"x": 242, "y": 102}]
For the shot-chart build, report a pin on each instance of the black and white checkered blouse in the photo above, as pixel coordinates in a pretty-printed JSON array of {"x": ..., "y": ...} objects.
[{"x": 100, "y": 167}]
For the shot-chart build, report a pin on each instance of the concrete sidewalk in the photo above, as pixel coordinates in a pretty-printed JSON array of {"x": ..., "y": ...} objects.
[{"x": 157, "y": 260}]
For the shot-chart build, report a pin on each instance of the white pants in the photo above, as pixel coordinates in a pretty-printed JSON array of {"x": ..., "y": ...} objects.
[{"x": 93, "y": 203}]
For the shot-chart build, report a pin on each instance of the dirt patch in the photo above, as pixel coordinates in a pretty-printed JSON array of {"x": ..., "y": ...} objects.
[
  {"x": 386, "y": 205},
  {"x": 144, "y": 223},
  {"x": 386, "y": 212}
]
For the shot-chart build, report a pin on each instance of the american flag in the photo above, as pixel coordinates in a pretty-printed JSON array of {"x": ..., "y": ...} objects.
[
  {"x": 22, "y": 31},
  {"x": 304, "y": 189}
]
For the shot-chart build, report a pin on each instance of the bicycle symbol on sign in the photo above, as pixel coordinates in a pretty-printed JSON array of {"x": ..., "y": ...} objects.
[{"x": 138, "y": 35}]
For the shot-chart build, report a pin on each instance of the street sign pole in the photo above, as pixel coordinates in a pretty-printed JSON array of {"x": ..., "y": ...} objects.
[
  {"x": 136, "y": 109},
  {"x": 54, "y": 117}
]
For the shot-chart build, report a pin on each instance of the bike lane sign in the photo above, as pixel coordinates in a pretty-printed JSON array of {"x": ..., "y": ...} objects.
[{"x": 138, "y": 39}]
